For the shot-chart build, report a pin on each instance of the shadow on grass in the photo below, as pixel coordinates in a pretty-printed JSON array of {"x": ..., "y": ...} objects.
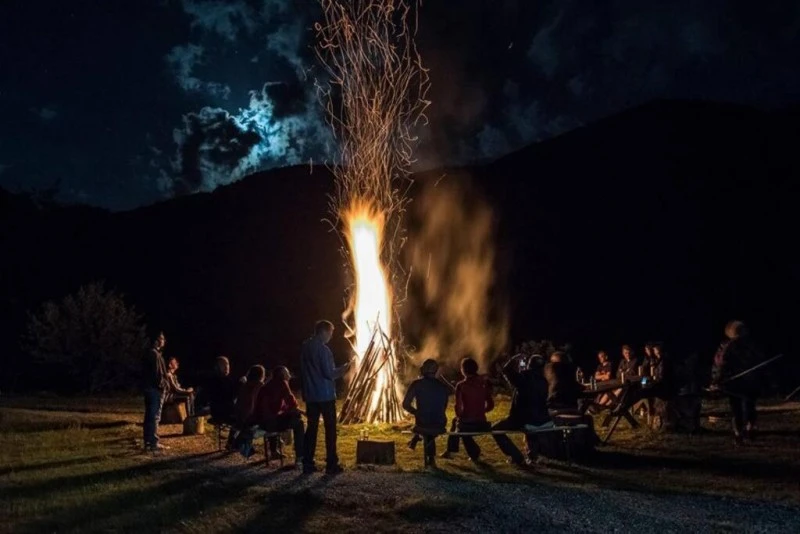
[
  {"x": 149, "y": 508},
  {"x": 58, "y": 464},
  {"x": 31, "y": 427},
  {"x": 41, "y": 490}
]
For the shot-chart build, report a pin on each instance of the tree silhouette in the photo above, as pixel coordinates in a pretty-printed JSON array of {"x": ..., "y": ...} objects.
[{"x": 89, "y": 342}]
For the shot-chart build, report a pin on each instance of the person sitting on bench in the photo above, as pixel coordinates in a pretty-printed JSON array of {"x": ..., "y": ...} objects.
[
  {"x": 528, "y": 406},
  {"x": 628, "y": 365},
  {"x": 604, "y": 368},
  {"x": 246, "y": 407},
  {"x": 474, "y": 399},
  {"x": 218, "y": 396},
  {"x": 562, "y": 388},
  {"x": 176, "y": 393},
  {"x": 426, "y": 400},
  {"x": 277, "y": 411}
]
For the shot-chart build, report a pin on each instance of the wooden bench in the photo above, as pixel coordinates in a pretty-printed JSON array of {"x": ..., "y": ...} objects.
[
  {"x": 258, "y": 434},
  {"x": 566, "y": 433}
]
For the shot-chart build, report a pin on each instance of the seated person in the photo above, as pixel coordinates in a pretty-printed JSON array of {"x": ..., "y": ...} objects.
[
  {"x": 219, "y": 394},
  {"x": 277, "y": 411},
  {"x": 662, "y": 376},
  {"x": 562, "y": 388},
  {"x": 604, "y": 368},
  {"x": 649, "y": 360},
  {"x": 245, "y": 408},
  {"x": 528, "y": 405},
  {"x": 474, "y": 399},
  {"x": 426, "y": 400},
  {"x": 628, "y": 365},
  {"x": 246, "y": 399},
  {"x": 175, "y": 393}
]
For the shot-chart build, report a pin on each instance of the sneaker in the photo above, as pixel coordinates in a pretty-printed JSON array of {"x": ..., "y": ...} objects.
[
  {"x": 156, "y": 447},
  {"x": 334, "y": 469},
  {"x": 412, "y": 444},
  {"x": 446, "y": 455}
]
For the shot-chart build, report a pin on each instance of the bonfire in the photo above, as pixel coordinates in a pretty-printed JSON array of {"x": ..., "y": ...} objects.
[{"x": 375, "y": 96}]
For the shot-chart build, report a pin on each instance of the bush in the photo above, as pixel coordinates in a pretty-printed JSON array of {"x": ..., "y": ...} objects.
[{"x": 90, "y": 342}]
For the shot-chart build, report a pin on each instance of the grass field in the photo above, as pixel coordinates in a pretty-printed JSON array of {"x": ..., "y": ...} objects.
[{"x": 77, "y": 465}]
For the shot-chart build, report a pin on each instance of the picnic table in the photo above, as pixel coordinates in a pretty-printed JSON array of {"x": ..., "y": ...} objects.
[{"x": 622, "y": 395}]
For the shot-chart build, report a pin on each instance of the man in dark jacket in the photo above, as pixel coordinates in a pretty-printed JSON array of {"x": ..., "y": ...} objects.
[
  {"x": 319, "y": 374},
  {"x": 220, "y": 392},
  {"x": 562, "y": 387},
  {"x": 426, "y": 400},
  {"x": 474, "y": 399},
  {"x": 528, "y": 405},
  {"x": 628, "y": 366},
  {"x": 736, "y": 355},
  {"x": 154, "y": 387}
]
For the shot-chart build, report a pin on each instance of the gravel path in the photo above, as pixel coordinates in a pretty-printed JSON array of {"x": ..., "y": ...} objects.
[{"x": 508, "y": 507}]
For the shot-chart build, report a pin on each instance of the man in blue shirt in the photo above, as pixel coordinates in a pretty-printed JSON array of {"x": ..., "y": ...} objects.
[{"x": 319, "y": 391}]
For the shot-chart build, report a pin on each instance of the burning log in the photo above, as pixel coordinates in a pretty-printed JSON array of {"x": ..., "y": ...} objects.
[{"x": 373, "y": 394}]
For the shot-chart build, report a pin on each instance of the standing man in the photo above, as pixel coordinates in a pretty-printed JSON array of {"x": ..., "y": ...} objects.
[
  {"x": 154, "y": 386},
  {"x": 734, "y": 356},
  {"x": 319, "y": 391}
]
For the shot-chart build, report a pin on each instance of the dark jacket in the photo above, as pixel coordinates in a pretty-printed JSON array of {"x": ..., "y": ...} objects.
[
  {"x": 220, "y": 393},
  {"x": 529, "y": 402},
  {"x": 426, "y": 400},
  {"x": 629, "y": 367},
  {"x": 562, "y": 388},
  {"x": 318, "y": 371},
  {"x": 474, "y": 398},
  {"x": 154, "y": 370},
  {"x": 734, "y": 357}
]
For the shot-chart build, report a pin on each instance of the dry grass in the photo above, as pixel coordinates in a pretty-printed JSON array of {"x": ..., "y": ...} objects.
[{"x": 81, "y": 470}]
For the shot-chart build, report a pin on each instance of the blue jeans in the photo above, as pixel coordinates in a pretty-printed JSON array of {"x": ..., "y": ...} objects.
[{"x": 153, "y": 401}]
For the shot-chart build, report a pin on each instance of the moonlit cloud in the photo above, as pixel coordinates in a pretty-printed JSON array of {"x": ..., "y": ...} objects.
[
  {"x": 216, "y": 147},
  {"x": 45, "y": 113},
  {"x": 280, "y": 124}
]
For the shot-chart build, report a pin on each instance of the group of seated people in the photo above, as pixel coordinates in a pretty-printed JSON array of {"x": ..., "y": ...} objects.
[
  {"x": 653, "y": 365},
  {"x": 256, "y": 401},
  {"x": 541, "y": 392}
]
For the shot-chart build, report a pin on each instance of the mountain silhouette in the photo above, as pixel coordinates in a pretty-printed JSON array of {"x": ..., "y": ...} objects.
[{"x": 662, "y": 222}]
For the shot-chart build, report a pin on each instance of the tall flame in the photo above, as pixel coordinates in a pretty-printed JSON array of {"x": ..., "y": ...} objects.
[{"x": 373, "y": 298}]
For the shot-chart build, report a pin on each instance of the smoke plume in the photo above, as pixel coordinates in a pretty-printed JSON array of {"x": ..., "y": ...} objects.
[{"x": 453, "y": 309}]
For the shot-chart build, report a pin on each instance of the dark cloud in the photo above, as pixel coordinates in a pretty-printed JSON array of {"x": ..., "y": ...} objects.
[
  {"x": 281, "y": 123},
  {"x": 203, "y": 78}
]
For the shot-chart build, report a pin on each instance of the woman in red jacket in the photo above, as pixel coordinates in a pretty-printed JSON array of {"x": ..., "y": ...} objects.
[{"x": 474, "y": 399}]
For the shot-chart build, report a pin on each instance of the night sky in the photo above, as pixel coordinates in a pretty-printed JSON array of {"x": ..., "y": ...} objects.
[{"x": 121, "y": 103}]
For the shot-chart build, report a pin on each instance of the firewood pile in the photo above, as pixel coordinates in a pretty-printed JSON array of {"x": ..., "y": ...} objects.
[{"x": 373, "y": 396}]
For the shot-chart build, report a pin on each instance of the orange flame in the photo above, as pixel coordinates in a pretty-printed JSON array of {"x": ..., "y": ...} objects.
[{"x": 372, "y": 300}]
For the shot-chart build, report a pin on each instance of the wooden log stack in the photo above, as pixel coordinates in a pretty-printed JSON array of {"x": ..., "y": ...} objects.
[{"x": 360, "y": 405}]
